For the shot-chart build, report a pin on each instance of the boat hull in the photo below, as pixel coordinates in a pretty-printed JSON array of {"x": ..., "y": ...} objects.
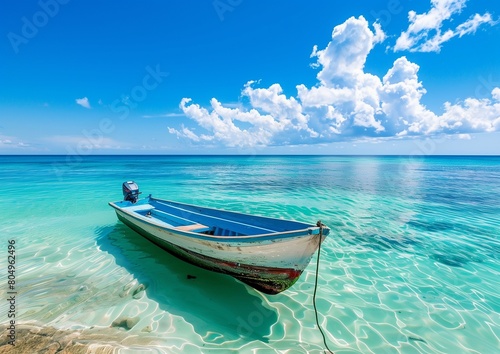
[{"x": 270, "y": 265}]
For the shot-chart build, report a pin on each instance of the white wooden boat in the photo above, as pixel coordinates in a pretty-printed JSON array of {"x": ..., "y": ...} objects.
[{"x": 269, "y": 254}]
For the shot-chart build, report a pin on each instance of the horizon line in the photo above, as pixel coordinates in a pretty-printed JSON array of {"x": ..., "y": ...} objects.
[{"x": 235, "y": 155}]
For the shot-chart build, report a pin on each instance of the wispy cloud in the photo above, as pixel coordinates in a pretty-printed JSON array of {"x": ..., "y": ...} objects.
[
  {"x": 347, "y": 103},
  {"x": 11, "y": 142},
  {"x": 164, "y": 115},
  {"x": 83, "y": 142},
  {"x": 426, "y": 32},
  {"x": 84, "y": 102}
]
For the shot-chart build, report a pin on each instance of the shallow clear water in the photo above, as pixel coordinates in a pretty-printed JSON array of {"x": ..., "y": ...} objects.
[{"x": 411, "y": 265}]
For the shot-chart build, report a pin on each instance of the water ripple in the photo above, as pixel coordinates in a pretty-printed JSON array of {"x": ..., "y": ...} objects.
[{"x": 411, "y": 265}]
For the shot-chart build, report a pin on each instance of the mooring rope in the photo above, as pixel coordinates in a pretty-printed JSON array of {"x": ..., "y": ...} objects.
[{"x": 320, "y": 225}]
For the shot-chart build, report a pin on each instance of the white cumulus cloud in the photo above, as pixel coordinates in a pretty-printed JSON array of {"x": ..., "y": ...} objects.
[
  {"x": 496, "y": 94},
  {"x": 343, "y": 59},
  {"x": 346, "y": 96},
  {"x": 272, "y": 117},
  {"x": 84, "y": 102},
  {"x": 346, "y": 103},
  {"x": 400, "y": 97},
  {"x": 472, "y": 115}
]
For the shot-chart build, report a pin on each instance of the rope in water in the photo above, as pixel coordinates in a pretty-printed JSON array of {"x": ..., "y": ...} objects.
[{"x": 320, "y": 225}]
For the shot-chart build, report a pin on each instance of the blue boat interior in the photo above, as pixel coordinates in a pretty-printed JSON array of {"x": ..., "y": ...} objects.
[{"x": 185, "y": 217}]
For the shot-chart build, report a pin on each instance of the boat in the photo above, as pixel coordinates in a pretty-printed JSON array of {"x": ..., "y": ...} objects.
[{"x": 268, "y": 254}]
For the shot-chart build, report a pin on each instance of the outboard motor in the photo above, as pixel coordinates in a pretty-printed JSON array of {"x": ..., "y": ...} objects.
[{"x": 130, "y": 191}]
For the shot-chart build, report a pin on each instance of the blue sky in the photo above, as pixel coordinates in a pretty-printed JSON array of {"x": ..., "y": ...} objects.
[{"x": 246, "y": 77}]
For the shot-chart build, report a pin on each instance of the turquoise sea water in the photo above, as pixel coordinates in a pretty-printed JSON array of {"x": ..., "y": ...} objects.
[{"x": 412, "y": 264}]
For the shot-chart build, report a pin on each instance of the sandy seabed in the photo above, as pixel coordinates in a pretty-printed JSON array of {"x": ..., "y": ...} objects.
[{"x": 32, "y": 338}]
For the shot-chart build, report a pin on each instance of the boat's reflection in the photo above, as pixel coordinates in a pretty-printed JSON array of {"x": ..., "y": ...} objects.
[{"x": 216, "y": 305}]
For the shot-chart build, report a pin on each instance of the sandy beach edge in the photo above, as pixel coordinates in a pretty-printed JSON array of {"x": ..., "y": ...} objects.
[{"x": 35, "y": 338}]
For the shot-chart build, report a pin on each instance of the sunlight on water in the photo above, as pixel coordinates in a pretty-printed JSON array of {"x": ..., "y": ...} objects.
[{"x": 411, "y": 266}]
